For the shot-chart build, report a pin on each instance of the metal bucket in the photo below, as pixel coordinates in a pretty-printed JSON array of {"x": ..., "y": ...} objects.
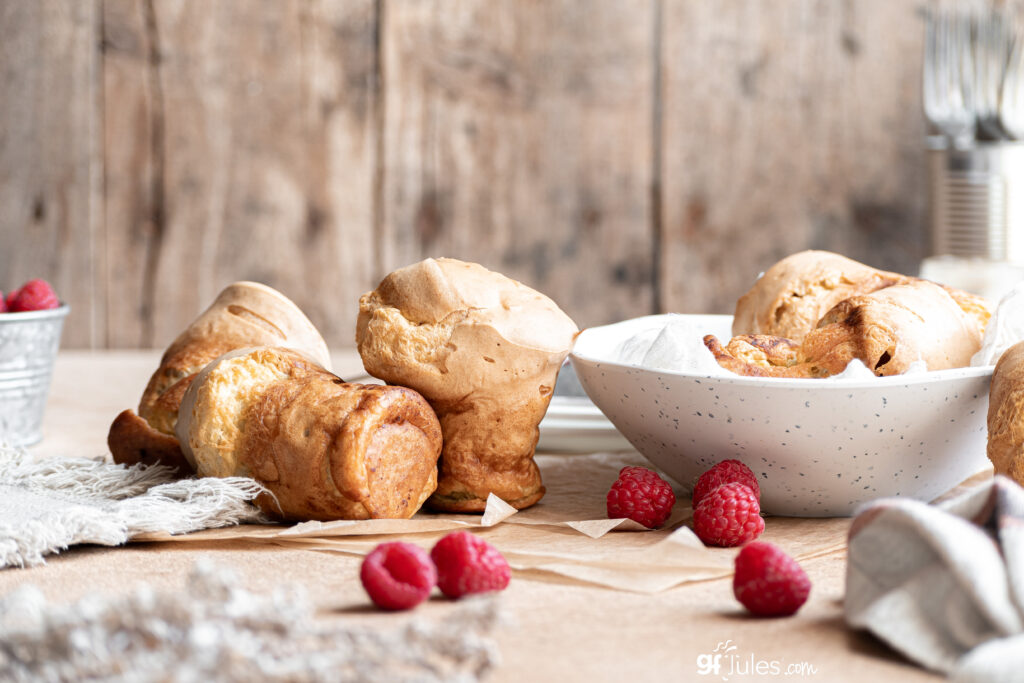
[{"x": 28, "y": 349}]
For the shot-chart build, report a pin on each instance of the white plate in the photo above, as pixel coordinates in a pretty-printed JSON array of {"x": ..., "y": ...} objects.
[{"x": 575, "y": 425}]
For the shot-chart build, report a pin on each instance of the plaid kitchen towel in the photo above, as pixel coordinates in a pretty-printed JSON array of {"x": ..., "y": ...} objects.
[{"x": 944, "y": 584}]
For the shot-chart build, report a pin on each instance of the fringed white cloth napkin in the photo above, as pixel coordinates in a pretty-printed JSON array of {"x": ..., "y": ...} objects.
[
  {"x": 50, "y": 504},
  {"x": 213, "y": 630},
  {"x": 944, "y": 584},
  {"x": 216, "y": 630}
]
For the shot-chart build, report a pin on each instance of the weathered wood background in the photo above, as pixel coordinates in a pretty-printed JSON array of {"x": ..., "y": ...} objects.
[{"x": 624, "y": 157}]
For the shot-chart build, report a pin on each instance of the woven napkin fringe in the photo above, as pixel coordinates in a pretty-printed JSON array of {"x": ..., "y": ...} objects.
[
  {"x": 217, "y": 630},
  {"x": 51, "y": 504},
  {"x": 944, "y": 585}
]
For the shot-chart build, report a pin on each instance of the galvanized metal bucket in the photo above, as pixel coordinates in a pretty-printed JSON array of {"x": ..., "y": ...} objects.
[{"x": 28, "y": 349}]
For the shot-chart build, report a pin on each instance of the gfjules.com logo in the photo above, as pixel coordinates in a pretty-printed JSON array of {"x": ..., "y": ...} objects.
[{"x": 726, "y": 662}]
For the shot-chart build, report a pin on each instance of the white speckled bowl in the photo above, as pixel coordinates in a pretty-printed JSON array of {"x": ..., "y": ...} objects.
[{"x": 819, "y": 447}]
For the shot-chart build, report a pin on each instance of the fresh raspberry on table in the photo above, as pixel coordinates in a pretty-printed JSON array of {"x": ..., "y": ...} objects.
[
  {"x": 468, "y": 564},
  {"x": 642, "y": 496},
  {"x": 34, "y": 295},
  {"x": 725, "y": 472},
  {"x": 398, "y": 575},
  {"x": 728, "y": 516},
  {"x": 768, "y": 582}
]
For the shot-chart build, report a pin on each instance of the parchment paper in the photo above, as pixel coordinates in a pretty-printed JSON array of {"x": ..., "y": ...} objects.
[{"x": 567, "y": 536}]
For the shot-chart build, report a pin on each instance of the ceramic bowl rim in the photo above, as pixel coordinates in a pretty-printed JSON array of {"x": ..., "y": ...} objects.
[{"x": 843, "y": 384}]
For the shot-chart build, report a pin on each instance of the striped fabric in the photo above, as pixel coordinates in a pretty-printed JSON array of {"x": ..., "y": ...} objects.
[{"x": 944, "y": 584}]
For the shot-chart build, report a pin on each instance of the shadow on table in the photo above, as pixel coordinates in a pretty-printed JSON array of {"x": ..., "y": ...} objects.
[{"x": 857, "y": 641}]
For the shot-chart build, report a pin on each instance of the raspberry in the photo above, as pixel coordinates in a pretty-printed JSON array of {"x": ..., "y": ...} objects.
[
  {"x": 34, "y": 295},
  {"x": 398, "y": 575},
  {"x": 725, "y": 472},
  {"x": 768, "y": 582},
  {"x": 642, "y": 496},
  {"x": 728, "y": 516},
  {"x": 468, "y": 564}
]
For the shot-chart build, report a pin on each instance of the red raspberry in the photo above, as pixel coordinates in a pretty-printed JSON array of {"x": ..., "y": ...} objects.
[
  {"x": 34, "y": 295},
  {"x": 768, "y": 582},
  {"x": 728, "y": 516},
  {"x": 468, "y": 564},
  {"x": 725, "y": 472},
  {"x": 642, "y": 496},
  {"x": 398, "y": 575}
]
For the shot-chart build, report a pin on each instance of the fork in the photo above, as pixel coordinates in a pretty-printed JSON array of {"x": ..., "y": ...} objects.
[
  {"x": 991, "y": 52},
  {"x": 1011, "y": 96},
  {"x": 948, "y": 65}
]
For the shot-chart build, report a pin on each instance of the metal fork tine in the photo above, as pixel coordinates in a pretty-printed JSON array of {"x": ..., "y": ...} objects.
[
  {"x": 928, "y": 71},
  {"x": 971, "y": 70},
  {"x": 1010, "y": 105}
]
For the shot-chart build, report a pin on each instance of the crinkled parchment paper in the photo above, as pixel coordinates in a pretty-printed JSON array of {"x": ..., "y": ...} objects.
[{"x": 567, "y": 535}]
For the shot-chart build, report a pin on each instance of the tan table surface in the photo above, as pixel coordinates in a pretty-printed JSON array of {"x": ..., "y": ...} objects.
[{"x": 557, "y": 631}]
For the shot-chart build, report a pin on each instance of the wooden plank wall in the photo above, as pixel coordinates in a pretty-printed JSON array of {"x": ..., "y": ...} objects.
[
  {"x": 51, "y": 147},
  {"x": 623, "y": 156}
]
